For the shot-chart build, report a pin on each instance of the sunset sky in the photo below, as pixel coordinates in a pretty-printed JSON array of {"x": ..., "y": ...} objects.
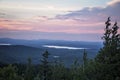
[{"x": 81, "y": 20}]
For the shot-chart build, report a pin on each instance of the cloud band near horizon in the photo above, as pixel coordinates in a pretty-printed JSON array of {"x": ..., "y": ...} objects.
[{"x": 88, "y": 21}]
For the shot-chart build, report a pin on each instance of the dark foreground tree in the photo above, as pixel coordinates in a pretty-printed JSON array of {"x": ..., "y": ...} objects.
[
  {"x": 45, "y": 67},
  {"x": 29, "y": 74},
  {"x": 84, "y": 59},
  {"x": 59, "y": 72},
  {"x": 9, "y": 73},
  {"x": 109, "y": 55}
]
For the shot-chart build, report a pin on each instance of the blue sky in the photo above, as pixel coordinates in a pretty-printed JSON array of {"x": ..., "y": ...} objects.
[{"x": 53, "y": 6}]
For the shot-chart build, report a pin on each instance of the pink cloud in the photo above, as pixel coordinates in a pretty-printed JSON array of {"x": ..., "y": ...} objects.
[
  {"x": 87, "y": 20},
  {"x": 113, "y": 2},
  {"x": 43, "y": 24}
]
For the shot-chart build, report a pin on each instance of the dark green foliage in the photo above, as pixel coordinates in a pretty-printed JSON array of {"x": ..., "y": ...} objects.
[
  {"x": 110, "y": 51},
  {"x": 9, "y": 73},
  {"x": 75, "y": 70},
  {"x": 45, "y": 68},
  {"x": 29, "y": 74},
  {"x": 84, "y": 59},
  {"x": 58, "y": 71},
  {"x": 109, "y": 55}
]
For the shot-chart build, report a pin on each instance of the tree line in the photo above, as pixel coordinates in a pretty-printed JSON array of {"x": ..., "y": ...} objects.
[{"x": 105, "y": 66}]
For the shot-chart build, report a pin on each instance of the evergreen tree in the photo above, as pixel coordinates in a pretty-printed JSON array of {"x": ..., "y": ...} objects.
[
  {"x": 111, "y": 44},
  {"x": 109, "y": 55},
  {"x": 75, "y": 70},
  {"x": 84, "y": 59},
  {"x": 9, "y": 73},
  {"x": 58, "y": 71},
  {"x": 85, "y": 64},
  {"x": 45, "y": 67},
  {"x": 37, "y": 77},
  {"x": 29, "y": 74}
]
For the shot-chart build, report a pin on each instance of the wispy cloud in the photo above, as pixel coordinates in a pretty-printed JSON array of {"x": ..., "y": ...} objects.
[
  {"x": 113, "y": 2},
  {"x": 94, "y": 13},
  {"x": 88, "y": 20}
]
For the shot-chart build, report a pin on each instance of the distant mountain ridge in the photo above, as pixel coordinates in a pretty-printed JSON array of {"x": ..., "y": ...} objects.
[
  {"x": 37, "y": 43},
  {"x": 18, "y": 53},
  {"x": 20, "y": 50}
]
